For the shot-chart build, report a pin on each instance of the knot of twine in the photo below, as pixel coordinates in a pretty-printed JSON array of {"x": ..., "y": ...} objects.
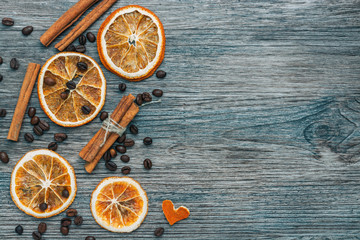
[{"x": 111, "y": 126}]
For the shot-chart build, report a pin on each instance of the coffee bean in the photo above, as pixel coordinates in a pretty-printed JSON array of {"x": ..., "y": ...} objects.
[
  {"x": 90, "y": 238},
  {"x": 14, "y": 64},
  {"x": 1, "y": 78},
  {"x": 27, "y": 30},
  {"x": 125, "y": 158},
  {"x": 134, "y": 129},
  {"x": 53, "y": 146},
  {"x": 104, "y": 115},
  {"x": 49, "y": 81},
  {"x": 120, "y": 149},
  {"x": 126, "y": 170},
  {"x": 111, "y": 166},
  {"x": 121, "y": 139},
  {"x": 64, "y": 95},
  {"x": 122, "y": 87},
  {"x": 43, "y": 206},
  {"x": 31, "y": 112},
  {"x": 37, "y": 130},
  {"x": 65, "y": 193},
  {"x": 147, "y": 97},
  {"x": 71, "y": 85},
  {"x": 85, "y": 109},
  {"x": 36, "y": 235},
  {"x": 34, "y": 120},
  {"x": 60, "y": 137},
  {"x": 139, "y": 99},
  {"x": 1, "y": 60},
  {"x": 80, "y": 48},
  {"x": 29, "y": 137},
  {"x": 82, "y": 66},
  {"x": 44, "y": 125},
  {"x": 71, "y": 212},
  {"x": 147, "y": 163},
  {"x": 4, "y": 157},
  {"x": 158, "y": 232},
  {"x": 129, "y": 143},
  {"x": 7, "y": 21},
  {"x": 64, "y": 230},
  {"x": 19, "y": 229},
  {"x": 107, "y": 156},
  {"x": 91, "y": 37},
  {"x": 160, "y": 74},
  {"x": 71, "y": 48},
  {"x": 157, "y": 92},
  {"x": 82, "y": 39},
  {"x": 78, "y": 220},
  {"x": 113, "y": 153},
  {"x": 42, "y": 227},
  {"x": 2, "y": 112},
  {"x": 65, "y": 222},
  {"x": 147, "y": 141}
]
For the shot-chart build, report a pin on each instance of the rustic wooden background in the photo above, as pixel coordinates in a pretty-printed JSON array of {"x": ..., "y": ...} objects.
[{"x": 258, "y": 132}]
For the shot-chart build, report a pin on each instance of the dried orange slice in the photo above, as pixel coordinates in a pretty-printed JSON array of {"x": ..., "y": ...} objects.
[
  {"x": 69, "y": 94},
  {"x": 43, "y": 183},
  {"x": 119, "y": 204},
  {"x": 131, "y": 42}
]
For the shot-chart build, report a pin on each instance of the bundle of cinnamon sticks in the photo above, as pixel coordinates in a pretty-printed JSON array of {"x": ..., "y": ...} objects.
[{"x": 123, "y": 114}]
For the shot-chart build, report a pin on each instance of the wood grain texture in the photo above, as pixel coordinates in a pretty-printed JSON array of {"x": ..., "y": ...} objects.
[{"x": 257, "y": 132}]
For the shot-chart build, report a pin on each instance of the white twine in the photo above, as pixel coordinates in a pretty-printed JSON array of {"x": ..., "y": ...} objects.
[
  {"x": 148, "y": 103},
  {"x": 111, "y": 126}
]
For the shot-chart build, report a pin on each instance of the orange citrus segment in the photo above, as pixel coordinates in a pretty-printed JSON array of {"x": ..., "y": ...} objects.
[
  {"x": 119, "y": 204},
  {"x": 131, "y": 42},
  {"x": 65, "y": 110},
  {"x": 41, "y": 176}
]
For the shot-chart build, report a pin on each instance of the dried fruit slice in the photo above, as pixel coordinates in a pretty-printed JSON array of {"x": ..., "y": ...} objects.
[
  {"x": 91, "y": 87},
  {"x": 119, "y": 204},
  {"x": 131, "y": 42},
  {"x": 41, "y": 176}
]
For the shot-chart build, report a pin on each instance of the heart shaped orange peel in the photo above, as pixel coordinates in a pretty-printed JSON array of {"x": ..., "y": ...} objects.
[{"x": 174, "y": 215}]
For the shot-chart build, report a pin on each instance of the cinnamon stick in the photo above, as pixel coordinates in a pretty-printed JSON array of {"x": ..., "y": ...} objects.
[
  {"x": 128, "y": 117},
  {"x": 86, "y": 22},
  {"x": 66, "y": 20},
  {"x": 24, "y": 97}
]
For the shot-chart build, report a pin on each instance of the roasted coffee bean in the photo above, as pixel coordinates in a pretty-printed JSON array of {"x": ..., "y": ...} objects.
[
  {"x": 31, "y": 112},
  {"x": 147, "y": 163},
  {"x": 125, "y": 158},
  {"x": 27, "y": 30},
  {"x": 104, "y": 115},
  {"x": 134, "y": 129},
  {"x": 121, "y": 139},
  {"x": 107, "y": 156},
  {"x": 64, "y": 230},
  {"x": 111, "y": 166},
  {"x": 160, "y": 74},
  {"x": 29, "y": 137},
  {"x": 43, "y": 206},
  {"x": 60, "y": 137},
  {"x": 157, "y": 92},
  {"x": 4, "y": 157},
  {"x": 90, "y": 238},
  {"x": 91, "y": 37},
  {"x": 44, "y": 125},
  {"x": 1, "y": 60},
  {"x": 82, "y": 66},
  {"x": 120, "y": 149},
  {"x": 53, "y": 146},
  {"x": 139, "y": 99},
  {"x": 146, "y": 97},
  {"x": 113, "y": 153},
  {"x": 19, "y": 229},
  {"x": 71, "y": 212},
  {"x": 7, "y": 21},
  {"x": 65, "y": 222},
  {"x": 2, "y": 112},
  {"x": 82, "y": 39},
  {"x": 49, "y": 81},
  {"x": 158, "y": 232},
  {"x": 34, "y": 120},
  {"x": 36, "y": 235},
  {"x": 78, "y": 220},
  {"x": 85, "y": 109},
  {"x": 71, "y": 85},
  {"x": 1, "y": 77},
  {"x": 122, "y": 87},
  {"x": 42, "y": 227},
  {"x": 129, "y": 143},
  {"x": 147, "y": 141},
  {"x": 65, "y": 193},
  {"x": 126, "y": 170},
  {"x": 64, "y": 95},
  {"x": 80, "y": 48},
  {"x": 37, "y": 130},
  {"x": 14, "y": 63},
  {"x": 71, "y": 48}
]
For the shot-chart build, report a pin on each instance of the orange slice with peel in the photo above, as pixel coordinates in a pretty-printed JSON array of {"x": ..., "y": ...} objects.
[
  {"x": 43, "y": 176},
  {"x": 131, "y": 42},
  {"x": 119, "y": 204},
  {"x": 89, "y": 91}
]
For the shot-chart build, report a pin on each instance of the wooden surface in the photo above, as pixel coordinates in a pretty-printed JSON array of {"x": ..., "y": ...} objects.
[{"x": 258, "y": 132}]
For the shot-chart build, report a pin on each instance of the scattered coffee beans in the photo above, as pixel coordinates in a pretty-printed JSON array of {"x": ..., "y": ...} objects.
[
  {"x": 42, "y": 227},
  {"x": 43, "y": 206},
  {"x": 113, "y": 153},
  {"x": 71, "y": 212},
  {"x": 147, "y": 163},
  {"x": 60, "y": 137},
  {"x": 139, "y": 99},
  {"x": 4, "y": 157},
  {"x": 37, "y": 130},
  {"x": 71, "y": 85},
  {"x": 2, "y": 112},
  {"x": 14, "y": 64},
  {"x": 29, "y": 137},
  {"x": 65, "y": 193},
  {"x": 129, "y": 143},
  {"x": 1, "y": 60},
  {"x": 44, "y": 125},
  {"x": 7, "y": 21},
  {"x": 125, "y": 158},
  {"x": 36, "y": 235},
  {"x": 91, "y": 37},
  {"x": 120, "y": 149},
  {"x": 71, "y": 48},
  {"x": 27, "y": 30},
  {"x": 85, "y": 109},
  {"x": 122, "y": 87},
  {"x": 121, "y": 139},
  {"x": 64, "y": 95},
  {"x": 80, "y": 48},
  {"x": 126, "y": 170},
  {"x": 134, "y": 129},
  {"x": 104, "y": 115},
  {"x": 31, "y": 112},
  {"x": 111, "y": 166},
  {"x": 49, "y": 81},
  {"x": 78, "y": 220},
  {"x": 90, "y": 238},
  {"x": 157, "y": 93},
  {"x": 82, "y": 39},
  {"x": 160, "y": 74},
  {"x": 82, "y": 66},
  {"x": 146, "y": 97},
  {"x": 158, "y": 232},
  {"x": 147, "y": 141},
  {"x": 19, "y": 229},
  {"x": 107, "y": 156},
  {"x": 53, "y": 146},
  {"x": 64, "y": 230},
  {"x": 65, "y": 222},
  {"x": 34, "y": 120}
]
